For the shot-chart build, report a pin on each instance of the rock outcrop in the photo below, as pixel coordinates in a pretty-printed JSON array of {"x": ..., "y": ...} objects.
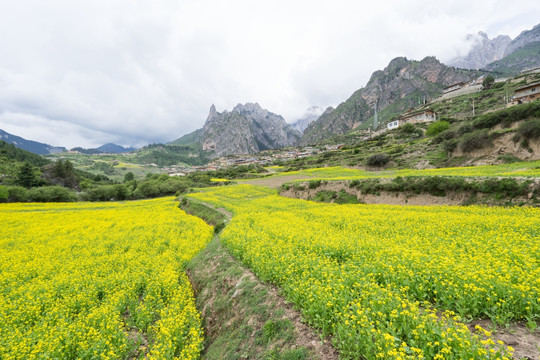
[
  {"x": 483, "y": 51},
  {"x": 247, "y": 129},
  {"x": 524, "y": 39}
]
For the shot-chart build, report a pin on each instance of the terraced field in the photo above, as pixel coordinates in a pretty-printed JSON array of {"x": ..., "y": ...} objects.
[
  {"x": 392, "y": 282},
  {"x": 99, "y": 280}
]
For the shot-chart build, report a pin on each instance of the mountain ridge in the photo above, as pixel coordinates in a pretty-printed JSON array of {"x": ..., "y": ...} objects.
[
  {"x": 32, "y": 146},
  {"x": 402, "y": 84}
]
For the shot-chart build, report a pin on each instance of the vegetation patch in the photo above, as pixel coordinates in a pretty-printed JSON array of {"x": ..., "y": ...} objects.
[
  {"x": 437, "y": 128},
  {"x": 211, "y": 216},
  {"x": 378, "y": 160},
  {"x": 528, "y": 130},
  {"x": 478, "y": 139}
]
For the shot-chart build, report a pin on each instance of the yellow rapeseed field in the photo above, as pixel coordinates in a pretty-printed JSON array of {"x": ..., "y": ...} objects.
[
  {"x": 98, "y": 281},
  {"x": 529, "y": 169},
  {"x": 391, "y": 282}
]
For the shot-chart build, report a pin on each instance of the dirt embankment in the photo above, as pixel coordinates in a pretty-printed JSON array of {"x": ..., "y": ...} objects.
[
  {"x": 384, "y": 197},
  {"x": 503, "y": 145},
  {"x": 302, "y": 191}
]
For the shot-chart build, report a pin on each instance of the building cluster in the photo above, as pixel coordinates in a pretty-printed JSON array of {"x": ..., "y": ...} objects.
[
  {"x": 264, "y": 158},
  {"x": 413, "y": 117},
  {"x": 462, "y": 88},
  {"x": 526, "y": 94}
]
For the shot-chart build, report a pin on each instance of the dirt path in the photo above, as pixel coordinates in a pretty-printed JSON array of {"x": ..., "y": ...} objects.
[
  {"x": 244, "y": 317},
  {"x": 525, "y": 343},
  {"x": 274, "y": 181}
]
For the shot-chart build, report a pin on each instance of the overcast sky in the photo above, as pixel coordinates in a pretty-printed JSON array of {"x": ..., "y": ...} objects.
[{"x": 84, "y": 73}]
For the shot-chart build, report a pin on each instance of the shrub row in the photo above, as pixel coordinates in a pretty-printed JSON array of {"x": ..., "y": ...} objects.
[
  {"x": 37, "y": 194},
  {"x": 155, "y": 185},
  {"x": 439, "y": 186}
]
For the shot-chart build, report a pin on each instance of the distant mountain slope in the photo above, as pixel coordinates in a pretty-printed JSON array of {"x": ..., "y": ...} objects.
[
  {"x": 13, "y": 154},
  {"x": 526, "y": 37},
  {"x": 108, "y": 148},
  {"x": 113, "y": 148},
  {"x": 527, "y": 57},
  {"x": 247, "y": 129},
  {"x": 311, "y": 114},
  {"x": 400, "y": 86},
  {"x": 29, "y": 145}
]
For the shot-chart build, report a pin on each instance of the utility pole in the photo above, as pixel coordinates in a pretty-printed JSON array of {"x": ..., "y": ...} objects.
[
  {"x": 473, "y": 107},
  {"x": 375, "y": 118}
]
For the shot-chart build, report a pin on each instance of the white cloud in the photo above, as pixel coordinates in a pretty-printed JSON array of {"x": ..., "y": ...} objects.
[{"x": 139, "y": 71}]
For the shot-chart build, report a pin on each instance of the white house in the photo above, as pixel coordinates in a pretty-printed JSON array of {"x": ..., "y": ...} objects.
[{"x": 393, "y": 124}]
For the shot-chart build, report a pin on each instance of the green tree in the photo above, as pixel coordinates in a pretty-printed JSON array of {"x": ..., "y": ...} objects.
[
  {"x": 488, "y": 82},
  {"x": 129, "y": 177},
  {"x": 63, "y": 174},
  {"x": 27, "y": 176}
]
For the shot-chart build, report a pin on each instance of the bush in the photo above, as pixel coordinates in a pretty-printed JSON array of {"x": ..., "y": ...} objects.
[
  {"x": 378, "y": 160},
  {"x": 148, "y": 189},
  {"x": 343, "y": 197},
  {"x": 313, "y": 184},
  {"x": 325, "y": 196},
  {"x": 17, "y": 194},
  {"x": 475, "y": 140},
  {"x": 529, "y": 129},
  {"x": 437, "y": 128},
  {"x": 100, "y": 193},
  {"x": 450, "y": 145},
  {"x": 298, "y": 187},
  {"x": 408, "y": 128},
  {"x": 507, "y": 187},
  {"x": 4, "y": 194},
  {"x": 51, "y": 194},
  {"x": 444, "y": 136},
  {"x": 121, "y": 192},
  {"x": 464, "y": 129}
]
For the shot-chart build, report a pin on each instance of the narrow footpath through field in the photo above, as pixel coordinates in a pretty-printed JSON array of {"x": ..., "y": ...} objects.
[{"x": 245, "y": 318}]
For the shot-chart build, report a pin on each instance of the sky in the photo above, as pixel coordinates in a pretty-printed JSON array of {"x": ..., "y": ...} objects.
[{"x": 85, "y": 73}]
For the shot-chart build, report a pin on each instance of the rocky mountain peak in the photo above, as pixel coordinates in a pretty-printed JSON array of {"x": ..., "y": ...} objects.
[
  {"x": 253, "y": 110},
  {"x": 247, "y": 129},
  {"x": 483, "y": 51}
]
